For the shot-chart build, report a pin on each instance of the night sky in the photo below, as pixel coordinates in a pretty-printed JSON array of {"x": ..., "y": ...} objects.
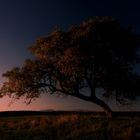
[{"x": 23, "y": 21}]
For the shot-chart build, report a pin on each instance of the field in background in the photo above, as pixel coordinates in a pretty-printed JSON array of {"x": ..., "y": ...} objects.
[{"x": 68, "y": 126}]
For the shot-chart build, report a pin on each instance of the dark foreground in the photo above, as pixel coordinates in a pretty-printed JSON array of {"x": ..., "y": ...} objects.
[{"x": 69, "y": 126}]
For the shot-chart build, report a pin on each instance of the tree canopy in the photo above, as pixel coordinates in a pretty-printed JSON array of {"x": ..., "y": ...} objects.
[{"x": 99, "y": 53}]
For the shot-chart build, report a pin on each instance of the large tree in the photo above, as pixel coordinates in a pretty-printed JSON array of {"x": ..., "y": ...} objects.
[{"x": 97, "y": 54}]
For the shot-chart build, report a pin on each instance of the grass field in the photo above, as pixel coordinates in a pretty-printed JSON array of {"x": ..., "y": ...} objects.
[{"x": 69, "y": 126}]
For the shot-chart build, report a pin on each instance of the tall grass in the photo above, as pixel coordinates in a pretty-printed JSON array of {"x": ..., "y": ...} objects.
[{"x": 69, "y": 127}]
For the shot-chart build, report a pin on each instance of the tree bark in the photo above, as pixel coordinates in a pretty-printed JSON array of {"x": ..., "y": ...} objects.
[
  {"x": 106, "y": 108},
  {"x": 93, "y": 99},
  {"x": 97, "y": 101}
]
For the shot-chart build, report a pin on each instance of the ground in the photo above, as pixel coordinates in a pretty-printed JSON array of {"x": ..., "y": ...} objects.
[{"x": 69, "y": 126}]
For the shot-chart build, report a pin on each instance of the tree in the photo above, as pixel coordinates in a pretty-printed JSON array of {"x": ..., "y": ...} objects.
[{"x": 97, "y": 54}]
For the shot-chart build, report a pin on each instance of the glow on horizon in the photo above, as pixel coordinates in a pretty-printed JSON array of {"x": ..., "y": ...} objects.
[
  {"x": 60, "y": 103},
  {"x": 46, "y": 102}
]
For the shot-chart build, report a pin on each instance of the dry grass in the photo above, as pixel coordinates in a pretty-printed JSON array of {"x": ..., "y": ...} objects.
[{"x": 69, "y": 127}]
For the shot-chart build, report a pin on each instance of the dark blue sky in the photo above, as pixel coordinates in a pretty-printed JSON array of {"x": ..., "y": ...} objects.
[{"x": 23, "y": 21}]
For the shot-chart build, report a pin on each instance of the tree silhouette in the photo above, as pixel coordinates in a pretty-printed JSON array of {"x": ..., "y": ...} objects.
[{"x": 97, "y": 54}]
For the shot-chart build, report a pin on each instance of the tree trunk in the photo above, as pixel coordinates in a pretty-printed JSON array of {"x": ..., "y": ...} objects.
[
  {"x": 108, "y": 111},
  {"x": 94, "y": 99}
]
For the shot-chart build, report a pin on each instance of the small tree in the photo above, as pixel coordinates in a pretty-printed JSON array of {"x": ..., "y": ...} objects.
[{"x": 99, "y": 53}]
